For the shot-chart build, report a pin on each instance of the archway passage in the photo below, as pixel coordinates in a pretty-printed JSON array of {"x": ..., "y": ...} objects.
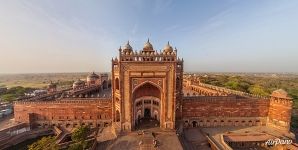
[
  {"x": 146, "y": 106},
  {"x": 117, "y": 116},
  {"x": 147, "y": 113},
  {"x": 117, "y": 84},
  {"x": 104, "y": 85}
]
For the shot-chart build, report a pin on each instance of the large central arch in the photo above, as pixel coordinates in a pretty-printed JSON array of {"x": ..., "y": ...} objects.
[{"x": 146, "y": 102}]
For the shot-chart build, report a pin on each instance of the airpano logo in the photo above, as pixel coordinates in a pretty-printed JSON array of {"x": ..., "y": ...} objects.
[{"x": 277, "y": 141}]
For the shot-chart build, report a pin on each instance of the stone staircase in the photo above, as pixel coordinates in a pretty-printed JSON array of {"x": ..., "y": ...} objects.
[{"x": 147, "y": 142}]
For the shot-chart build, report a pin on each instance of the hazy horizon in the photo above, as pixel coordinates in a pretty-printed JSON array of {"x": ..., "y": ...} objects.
[
  {"x": 212, "y": 36},
  {"x": 84, "y": 72}
]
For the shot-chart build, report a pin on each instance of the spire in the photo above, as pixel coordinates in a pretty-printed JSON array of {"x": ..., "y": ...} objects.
[
  {"x": 127, "y": 47},
  {"x": 168, "y": 48},
  {"x": 148, "y": 46}
]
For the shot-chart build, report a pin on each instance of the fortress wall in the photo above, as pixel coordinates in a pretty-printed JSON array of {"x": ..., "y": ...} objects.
[
  {"x": 280, "y": 112},
  {"x": 224, "y": 110},
  {"x": 64, "y": 112}
]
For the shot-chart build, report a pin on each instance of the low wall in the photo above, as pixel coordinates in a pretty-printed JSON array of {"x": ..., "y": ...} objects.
[{"x": 16, "y": 139}]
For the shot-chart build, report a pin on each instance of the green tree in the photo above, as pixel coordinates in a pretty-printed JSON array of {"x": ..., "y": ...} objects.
[
  {"x": 8, "y": 97},
  {"x": 45, "y": 143},
  {"x": 76, "y": 146},
  {"x": 257, "y": 90},
  {"x": 234, "y": 85},
  {"x": 13, "y": 93},
  {"x": 79, "y": 136}
]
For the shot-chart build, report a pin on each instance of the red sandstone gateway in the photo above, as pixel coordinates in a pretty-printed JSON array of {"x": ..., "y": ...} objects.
[{"x": 148, "y": 87}]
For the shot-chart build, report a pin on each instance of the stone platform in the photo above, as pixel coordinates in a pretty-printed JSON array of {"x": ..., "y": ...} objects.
[{"x": 143, "y": 140}]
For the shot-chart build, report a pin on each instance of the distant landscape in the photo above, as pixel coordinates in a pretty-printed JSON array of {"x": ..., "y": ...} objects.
[
  {"x": 254, "y": 83},
  {"x": 258, "y": 83}
]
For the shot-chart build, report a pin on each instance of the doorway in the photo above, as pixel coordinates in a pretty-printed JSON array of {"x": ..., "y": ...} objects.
[{"x": 147, "y": 113}]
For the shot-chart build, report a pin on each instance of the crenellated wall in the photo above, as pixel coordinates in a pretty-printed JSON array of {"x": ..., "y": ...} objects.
[
  {"x": 224, "y": 110},
  {"x": 217, "y": 106},
  {"x": 95, "y": 112},
  {"x": 280, "y": 110}
]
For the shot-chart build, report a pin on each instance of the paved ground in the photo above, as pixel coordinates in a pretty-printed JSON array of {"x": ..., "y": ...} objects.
[
  {"x": 194, "y": 139},
  {"x": 143, "y": 139},
  {"x": 137, "y": 140}
]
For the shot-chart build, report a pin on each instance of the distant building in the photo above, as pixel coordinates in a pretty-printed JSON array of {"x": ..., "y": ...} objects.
[{"x": 36, "y": 93}]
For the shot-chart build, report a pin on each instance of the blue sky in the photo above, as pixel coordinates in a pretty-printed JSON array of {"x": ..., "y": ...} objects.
[{"x": 211, "y": 36}]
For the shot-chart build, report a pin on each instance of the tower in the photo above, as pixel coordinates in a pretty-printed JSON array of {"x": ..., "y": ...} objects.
[
  {"x": 146, "y": 84},
  {"x": 280, "y": 110}
]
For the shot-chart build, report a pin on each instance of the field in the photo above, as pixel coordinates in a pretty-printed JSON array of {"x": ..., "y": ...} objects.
[
  {"x": 18, "y": 84},
  {"x": 40, "y": 80}
]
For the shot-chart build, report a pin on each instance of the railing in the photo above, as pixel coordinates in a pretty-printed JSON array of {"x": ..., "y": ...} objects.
[
  {"x": 230, "y": 91},
  {"x": 225, "y": 90},
  {"x": 77, "y": 100}
]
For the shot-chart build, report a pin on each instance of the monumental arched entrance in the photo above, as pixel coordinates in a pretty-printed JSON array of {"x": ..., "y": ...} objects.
[{"x": 146, "y": 104}]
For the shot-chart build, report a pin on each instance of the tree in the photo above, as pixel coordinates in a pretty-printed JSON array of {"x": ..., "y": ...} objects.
[
  {"x": 13, "y": 93},
  {"x": 45, "y": 143},
  {"x": 232, "y": 85},
  {"x": 76, "y": 146},
  {"x": 79, "y": 136},
  {"x": 257, "y": 90},
  {"x": 8, "y": 97}
]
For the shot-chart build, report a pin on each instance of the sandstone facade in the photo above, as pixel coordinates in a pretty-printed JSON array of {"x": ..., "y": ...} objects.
[{"x": 148, "y": 83}]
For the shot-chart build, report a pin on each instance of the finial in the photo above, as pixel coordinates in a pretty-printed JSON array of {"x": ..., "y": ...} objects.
[
  {"x": 128, "y": 42},
  {"x": 168, "y": 42},
  {"x": 148, "y": 41}
]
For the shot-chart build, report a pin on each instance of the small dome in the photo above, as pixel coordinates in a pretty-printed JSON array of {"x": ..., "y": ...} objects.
[
  {"x": 148, "y": 46},
  {"x": 280, "y": 93},
  {"x": 168, "y": 48},
  {"x": 127, "y": 47},
  {"x": 93, "y": 75},
  {"x": 79, "y": 82}
]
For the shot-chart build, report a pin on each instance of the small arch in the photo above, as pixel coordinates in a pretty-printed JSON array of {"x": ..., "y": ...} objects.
[
  {"x": 117, "y": 116},
  {"x": 117, "y": 84},
  {"x": 177, "y": 83},
  {"x": 104, "y": 84},
  {"x": 194, "y": 124}
]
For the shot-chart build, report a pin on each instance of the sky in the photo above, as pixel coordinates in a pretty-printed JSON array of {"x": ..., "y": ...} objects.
[{"x": 42, "y": 36}]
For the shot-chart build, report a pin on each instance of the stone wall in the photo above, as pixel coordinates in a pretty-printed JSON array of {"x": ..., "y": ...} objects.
[
  {"x": 280, "y": 112},
  {"x": 69, "y": 113},
  {"x": 224, "y": 111}
]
